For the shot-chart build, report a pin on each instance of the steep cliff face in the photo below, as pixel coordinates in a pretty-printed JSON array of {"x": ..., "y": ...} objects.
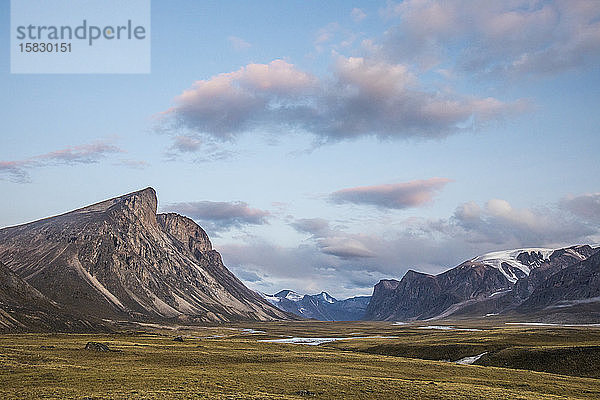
[
  {"x": 186, "y": 231},
  {"x": 497, "y": 282},
  {"x": 118, "y": 260},
  {"x": 421, "y": 296},
  {"x": 381, "y": 300},
  {"x": 196, "y": 241}
]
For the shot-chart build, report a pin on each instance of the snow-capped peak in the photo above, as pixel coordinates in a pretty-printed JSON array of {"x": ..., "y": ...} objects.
[
  {"x": 498, "y": 259},
  {"x": 289, "y": 294},
  {"x": 327, "y": 297},
  {"x": 271, "y": 299}
]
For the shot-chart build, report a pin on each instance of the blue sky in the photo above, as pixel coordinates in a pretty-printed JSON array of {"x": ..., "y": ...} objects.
[{"x": 325, "y": 146}]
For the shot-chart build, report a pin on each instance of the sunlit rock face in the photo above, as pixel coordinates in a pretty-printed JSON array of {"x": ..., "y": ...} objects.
[{"x": 118, "y": 259}]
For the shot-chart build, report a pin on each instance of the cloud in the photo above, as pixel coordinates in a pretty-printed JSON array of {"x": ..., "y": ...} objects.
[
  {"x": 186, "y": 144},
  {"x": 85, "y": 154},
  {"x": 248, "y": 276},
  {"x": 508, "y": 38},
  {"x": 334, "y": 38},
  {"x": 394, "y": 196},
  {"x": 15, "y": 171},
  {"x": 326, "y": 33},
  {"x": 333, "y": 241},
  {"x": 346, "y": 263},
  {"x": 357, "y": 14},
  {"x": 18, "y": 171},
  {"x": 498, "y": 222},
  {"x": 220, "y": 216},
  {"x": 345, "y": 247},
  {"x": 238, "y": 43},
  {"x": 301, "y": 268},
  {"x": 193, "y": 148},
  {"x": 133, "y": 164},
  {"x": 585, "y": 206},
  {"x": 314, "y": 226},
  {"x": 363, "y": 97},
  {"x": 231, "y": 103}
]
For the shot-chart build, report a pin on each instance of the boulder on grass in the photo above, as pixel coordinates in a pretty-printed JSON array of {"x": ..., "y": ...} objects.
[{"x": 95, "y": 346}]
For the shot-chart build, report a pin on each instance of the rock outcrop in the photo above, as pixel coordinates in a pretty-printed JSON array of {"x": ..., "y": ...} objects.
[{"x": 119, "y": 260}]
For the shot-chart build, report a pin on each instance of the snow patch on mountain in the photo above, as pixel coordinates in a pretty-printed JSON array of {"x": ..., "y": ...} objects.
[
  {"x": 327, "y": 297},
  {"x": 500, "y": 259},
  {"x": 288, "y": 294},
  {"x": 320, "y": 306}
]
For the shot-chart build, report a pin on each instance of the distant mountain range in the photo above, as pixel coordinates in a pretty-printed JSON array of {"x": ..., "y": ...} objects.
[
  {"x": 533, "y": 283},
  {"x": 118, "y": 260},
  {"x": 544, "y": 284},
  {"x": 320, "y": 306}
]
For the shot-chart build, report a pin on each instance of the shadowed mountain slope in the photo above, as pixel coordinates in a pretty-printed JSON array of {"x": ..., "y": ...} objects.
[
  {"x": 522, "y": 280},
  {"x": 23, "y": 308}
]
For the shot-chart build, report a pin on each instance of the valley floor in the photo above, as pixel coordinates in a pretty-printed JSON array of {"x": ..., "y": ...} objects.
[{"x": 233, "y": 362}]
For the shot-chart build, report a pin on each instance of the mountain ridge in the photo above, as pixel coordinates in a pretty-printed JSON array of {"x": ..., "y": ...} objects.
[
  {"x": 492, "y": 283},
  {"x": 321, "y": 306},
  {"x": 119, "y": 259}
]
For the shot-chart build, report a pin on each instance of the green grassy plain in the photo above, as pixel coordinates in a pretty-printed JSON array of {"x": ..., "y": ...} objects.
[{"x": 224, "y": 362}]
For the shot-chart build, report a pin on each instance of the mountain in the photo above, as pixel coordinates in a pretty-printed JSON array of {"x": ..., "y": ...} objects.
[
  {"x": 571, "y": 285},
  {"x": 320, "y": 306},
  {"x": 24, "y": 308},
  {"x": 119, "y": 260},
  {"x": 498, "y": 282}
]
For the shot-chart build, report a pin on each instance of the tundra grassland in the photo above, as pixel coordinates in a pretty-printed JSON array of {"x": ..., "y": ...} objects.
[{"x": 379, "y": 360}]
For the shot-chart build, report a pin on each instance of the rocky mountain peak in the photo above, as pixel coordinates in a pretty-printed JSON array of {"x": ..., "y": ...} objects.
[
  {"x": 412, "y": 274},
  {"x": 186, "y": 231},
  {"x": 117, "y": 259},
  {"x": 139, "y": 206},
  {"x": 289, "y": 294},
  {"x": 327, "y": 297},
  {"x": 388, "y": 284},
  {"x": 142, "y": 199}
]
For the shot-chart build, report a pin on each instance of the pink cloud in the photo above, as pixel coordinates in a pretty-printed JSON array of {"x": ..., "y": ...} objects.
[
  {"x": 278, "y": 76},
  {"x": 15, "y": 171},
  {"x": 219, "y": 215},
  {"x": 363, "y": 97},
  {"x": 394, "y": 196},
  {"x": 85, "y": 154},
  {"x": 510, "y": 37},
  {"x": 18, "y": 171}
]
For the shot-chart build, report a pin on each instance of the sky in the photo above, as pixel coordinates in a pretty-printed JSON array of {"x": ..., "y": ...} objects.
[{"x": 328, "y": 145}]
